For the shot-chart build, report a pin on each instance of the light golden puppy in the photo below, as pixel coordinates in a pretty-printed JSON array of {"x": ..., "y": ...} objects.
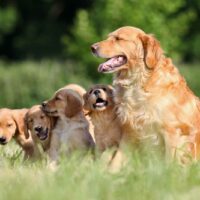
[
  {"x": 100, "y": 106},
  {"x": 72, "y": 129},
  {"x": 40, "y": 126},
  {"x": 81, "y": 91},
  {"x": 12, "y": 126},
  {"x": 152, "y": 99}
]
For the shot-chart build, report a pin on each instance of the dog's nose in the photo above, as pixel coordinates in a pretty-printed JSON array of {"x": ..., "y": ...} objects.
[
  {"x": 38, "y": 128},
  {"x": 44, "y": 104},
  {"x": 97, "y": 92},
  {"x": 94, "y": 48},
  {"x": 2, "y": 139}
]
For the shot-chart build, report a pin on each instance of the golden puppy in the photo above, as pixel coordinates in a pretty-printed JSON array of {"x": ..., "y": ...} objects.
[
  {"x": 40, "y": 126},
  {"x": 72, "y": 129},
  {"x": 100, "y": 105},
  {"x": 12, "y": 126},
  {"x": 152, "y": 99},
  {"x": 81, "y": 91}
]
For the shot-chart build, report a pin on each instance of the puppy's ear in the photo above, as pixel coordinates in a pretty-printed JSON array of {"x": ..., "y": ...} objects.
[
  {"x": 152, "y": 50},
  {"x": 86, "y": 107},
  {"x": 19, "y": 118},
  {"x": 26, "y": 133},
  {"x": 53, "y": 121},
  {"x": 74, "y": 105}
]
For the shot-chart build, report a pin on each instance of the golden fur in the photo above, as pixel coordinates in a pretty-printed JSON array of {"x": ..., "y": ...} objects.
[
  {"x": 153, "y": 100},
  {"x": 40, "y": 126},
  {"x": 72, "y": 129},
  {"x": 12, "y": 126},
  {"x": 81, "y": 91},
  {"x": 100, "y": 105}
]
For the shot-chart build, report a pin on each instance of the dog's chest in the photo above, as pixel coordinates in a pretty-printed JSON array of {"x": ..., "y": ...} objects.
[
  {"x": 135, "y": 111},
  {"x": 64, "y": 129}
]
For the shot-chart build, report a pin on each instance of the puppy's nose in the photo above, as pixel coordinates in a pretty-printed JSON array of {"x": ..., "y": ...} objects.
[
  {"x": 38, "y": 128},
  {"x": 2, "y": 139},
  {"x": 97, "y": 92},
  {"x": 94, "y": 48},
  {"x": 44, "y": 104}
]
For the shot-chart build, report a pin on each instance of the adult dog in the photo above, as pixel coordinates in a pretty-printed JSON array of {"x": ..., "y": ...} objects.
[{"x": 153, "y": 100}]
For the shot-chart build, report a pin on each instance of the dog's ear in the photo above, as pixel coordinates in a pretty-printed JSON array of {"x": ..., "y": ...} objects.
[
  {"x": 86, "y": 107},
  {"x": 152, "y": 50},
  {"x": 19, "y": 118},
  {"x": 26, "y": 132},
  {"x": 74, "y": 105},
  {"x": 53, "y": 121}
]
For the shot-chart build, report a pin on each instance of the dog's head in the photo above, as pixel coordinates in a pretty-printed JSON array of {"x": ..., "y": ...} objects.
[
  {"x": 98, "y": 98},
  {"x": 126, "y": 48},
  {"x": 65, "y": 102},
  {"x": 11, "y": 123},
  {"x": 38, "y": 123}
]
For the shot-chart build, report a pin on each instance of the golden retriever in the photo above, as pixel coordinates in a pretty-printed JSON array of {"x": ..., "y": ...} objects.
[
  {"x": 72, "y": 129},
  {"x": 153, "y": 101},
  {"x": 12, "y": 126},
  {"x": 40, "y": 126},
  {"x": 100, "y": 106}
]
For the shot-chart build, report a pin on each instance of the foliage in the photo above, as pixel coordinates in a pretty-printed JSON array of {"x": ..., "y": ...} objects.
[
  {"x": 49, "y": 28},
  {"x": 8, "y": 19}
]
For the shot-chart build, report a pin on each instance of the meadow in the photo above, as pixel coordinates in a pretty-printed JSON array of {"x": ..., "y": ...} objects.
[{"x": 145, "y": 177}]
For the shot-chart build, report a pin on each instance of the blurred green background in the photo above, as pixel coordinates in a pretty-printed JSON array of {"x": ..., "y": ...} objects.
[{"x": 45, "y": 44}]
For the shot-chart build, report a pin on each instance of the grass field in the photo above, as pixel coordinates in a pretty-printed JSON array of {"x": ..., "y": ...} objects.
[{"x": 145, "y": 177}]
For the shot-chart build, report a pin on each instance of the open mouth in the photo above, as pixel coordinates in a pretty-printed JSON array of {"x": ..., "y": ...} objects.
[
  {"x": 112, "y": 64},
  {"x": 43, "y": 134},
  {"x": 100, "y": 103},
  {"x": 3, "y": 143},
  {"x": 50, "y": 112}
]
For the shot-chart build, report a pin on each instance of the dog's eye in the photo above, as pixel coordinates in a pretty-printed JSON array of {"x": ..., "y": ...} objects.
[
  {"x": 57, "y": 99},
  {"x": 9, "y": 125},
  {"x": 42, "y": 117},
  {"x": 30, "y": 120},
  {"x": 104, "y": 89},
  {"x": 90, "y": 91},
  {"x": 117, "y": 38}
]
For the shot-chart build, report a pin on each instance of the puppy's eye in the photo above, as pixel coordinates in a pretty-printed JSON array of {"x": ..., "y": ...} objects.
[
  {"x": 42, "y": 117},
  {"x": 57, "y": 99},
  {"x": 117, "y": 38},
  {"x": 90, "y": 92},
  {"x": 104, "y": 89},
  {"x": 30, "y": 120},
  {"x": 9, "y": 125}
]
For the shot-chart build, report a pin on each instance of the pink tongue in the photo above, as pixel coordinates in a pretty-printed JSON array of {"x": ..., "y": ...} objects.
[{"x": 111, "y": 63}]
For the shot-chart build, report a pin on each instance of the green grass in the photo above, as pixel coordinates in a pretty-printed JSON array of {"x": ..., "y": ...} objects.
[
  {"x": 27, "y": 83},
  {"x": 145, "y": 177}
]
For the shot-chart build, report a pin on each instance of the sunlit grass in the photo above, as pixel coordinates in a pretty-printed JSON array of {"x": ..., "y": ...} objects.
[{"x": 145, "y": 177}]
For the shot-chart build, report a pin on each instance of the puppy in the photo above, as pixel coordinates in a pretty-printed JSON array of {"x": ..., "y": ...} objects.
[
  {"x": 40, "y": 126},
  {"x": 12, "y": 126},
  {"x": 152, "y": 99},
  {"x": 101, "y": 108},
  {"x": 81, "y": 91},
  {"x": 72, "y": 129}
]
